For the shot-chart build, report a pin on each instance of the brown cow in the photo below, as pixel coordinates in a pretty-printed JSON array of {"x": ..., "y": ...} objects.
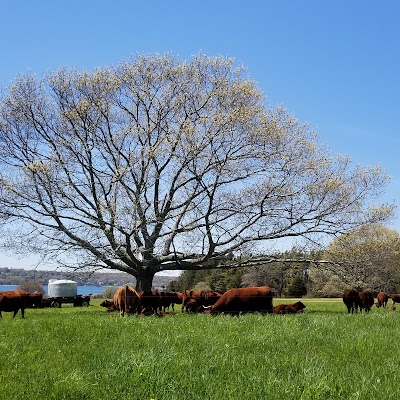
[
  {"x": 396, "y": 299},
  {"x": 351, "y": 299},
  {"x": 127, "y": 300},
  {"x": 382, "y": 299},
  {"x": 242, "y": 300},
  {"x": 187, "y": 295},
  {"x": 192, "y": 306},
  {"x": 33, "y": 299},
  {"x": 109, "y": 305},
  {"x": 295, "y": 308},
  {"x": 13, "y": 300},
  {"x": 195, "y": 300},
  {"x": 367, "y": 300}
]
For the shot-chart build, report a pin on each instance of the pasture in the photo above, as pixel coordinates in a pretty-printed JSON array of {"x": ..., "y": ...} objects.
[{"x": 86, "y": 353}]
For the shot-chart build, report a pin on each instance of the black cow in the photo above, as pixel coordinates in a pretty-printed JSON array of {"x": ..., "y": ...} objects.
[{"x": 351, "y": 299}]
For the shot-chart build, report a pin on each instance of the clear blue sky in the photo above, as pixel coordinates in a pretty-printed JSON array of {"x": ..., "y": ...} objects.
[{"x": 334, "y": 64}]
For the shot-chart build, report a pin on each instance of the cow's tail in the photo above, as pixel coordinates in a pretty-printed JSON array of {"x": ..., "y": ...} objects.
[{"x": 126, "y": 299}]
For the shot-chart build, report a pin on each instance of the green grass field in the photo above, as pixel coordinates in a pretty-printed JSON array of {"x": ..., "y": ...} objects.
[{"x": 86, "y": 353}]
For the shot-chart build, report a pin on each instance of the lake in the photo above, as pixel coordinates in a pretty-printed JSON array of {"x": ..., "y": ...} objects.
[{"x": 82, "y": 290}]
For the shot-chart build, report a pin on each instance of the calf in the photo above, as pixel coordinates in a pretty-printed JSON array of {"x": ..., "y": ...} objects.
[
  {"x": 109, "y": 305},
  {"x": 295, "y": 308}
]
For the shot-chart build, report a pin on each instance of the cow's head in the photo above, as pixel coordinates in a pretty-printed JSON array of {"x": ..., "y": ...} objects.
[{"x": 300, "y": 306}]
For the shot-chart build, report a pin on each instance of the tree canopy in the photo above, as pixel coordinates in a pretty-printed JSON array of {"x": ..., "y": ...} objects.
[
  {"x": 158, "y": 164},
  {"x": 366, "y": 257}
]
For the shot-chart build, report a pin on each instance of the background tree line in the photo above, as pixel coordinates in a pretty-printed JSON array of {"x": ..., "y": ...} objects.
[{"x": 365, "y": 258}]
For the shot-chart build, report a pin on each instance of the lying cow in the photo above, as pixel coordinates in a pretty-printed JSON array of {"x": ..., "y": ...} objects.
[
  {"x": 382, "y": 299},
  {"x": 15, "y": 300},
  {"x": 295, "y": 308},
  {"x": 109, "y": 305},
  {"x": 243, "y": 300}
]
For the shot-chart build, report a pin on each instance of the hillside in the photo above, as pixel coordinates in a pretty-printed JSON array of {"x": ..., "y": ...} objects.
[{"x": 11, "y": 276}]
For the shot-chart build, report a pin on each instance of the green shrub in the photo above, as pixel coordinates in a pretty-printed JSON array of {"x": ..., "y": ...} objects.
[{"x": 108, "y": 292}]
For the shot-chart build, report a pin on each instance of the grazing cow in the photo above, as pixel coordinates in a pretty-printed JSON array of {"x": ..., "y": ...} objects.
[
  {"x": 382, "y": 299},
  {"x": 195, "y": 300},
  {"x": 13, "y": 300},
  {"x": 351, "y": 299},
  {"x": 187, "y": 295},
  {"x": 295, "y": 308},
  {"x": 127, "y": 300},
  {"x": 396, "y": 299},
  {"x": 191, "y": 306},
  {"x": 367, "y": 300},
  {"x": 243, "y": 300}
]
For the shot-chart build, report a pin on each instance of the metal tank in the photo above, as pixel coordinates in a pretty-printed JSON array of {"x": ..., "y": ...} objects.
[{"x": 62, "y": 288}]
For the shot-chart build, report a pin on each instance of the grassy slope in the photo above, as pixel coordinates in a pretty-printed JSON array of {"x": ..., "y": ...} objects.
[{"x": 78, "y": 353}]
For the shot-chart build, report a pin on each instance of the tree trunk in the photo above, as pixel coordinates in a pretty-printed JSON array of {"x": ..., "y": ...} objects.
[{"x": 144, "y": 280}]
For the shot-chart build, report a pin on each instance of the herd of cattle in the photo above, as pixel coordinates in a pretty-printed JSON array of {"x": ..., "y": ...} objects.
[
  {"x": 364, "y": 300},
  {"x": 235, "y": 301}
]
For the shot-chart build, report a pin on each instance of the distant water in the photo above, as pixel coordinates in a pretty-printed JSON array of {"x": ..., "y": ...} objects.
[{"x": 82, "y": 290}]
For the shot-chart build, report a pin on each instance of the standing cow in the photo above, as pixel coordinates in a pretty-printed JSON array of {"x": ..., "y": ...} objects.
[
  {"x": 395, "y": 299},
  {"x": 243, "y": 300},
  {"x": 127, "y": 300},
  {"x": 367, "y": 300},
  {"x": 15, "y": 300},
  {"x": 381, "y": 299},
  {"x": 351, "y": 299}
]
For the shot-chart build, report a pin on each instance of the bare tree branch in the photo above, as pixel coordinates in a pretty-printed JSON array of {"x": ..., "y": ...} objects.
[{"x": 159, "y": 164}]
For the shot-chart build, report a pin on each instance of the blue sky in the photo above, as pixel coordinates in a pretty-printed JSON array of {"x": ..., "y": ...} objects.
[{"x": 333, "y": 64}]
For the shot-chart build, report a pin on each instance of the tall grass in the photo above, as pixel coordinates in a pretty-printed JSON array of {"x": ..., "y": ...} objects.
[{"x": 86, "y": 353}]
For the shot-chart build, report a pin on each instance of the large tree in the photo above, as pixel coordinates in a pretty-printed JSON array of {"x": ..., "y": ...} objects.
[{"x": 158, "y": 164}]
